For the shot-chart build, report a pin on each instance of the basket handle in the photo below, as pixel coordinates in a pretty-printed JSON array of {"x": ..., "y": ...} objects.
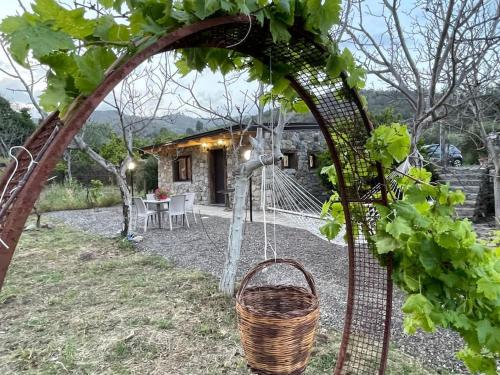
[{"x": 259, "y": 267}]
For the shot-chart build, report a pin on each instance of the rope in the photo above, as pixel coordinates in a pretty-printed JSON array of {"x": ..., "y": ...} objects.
[
  {"x": 16, "y": 160},
  {"x": 246, "y": 36}
]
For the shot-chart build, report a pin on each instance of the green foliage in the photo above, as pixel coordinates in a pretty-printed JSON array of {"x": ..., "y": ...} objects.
[
  {"x": 95, "y": 192},
  {"x": 387, "y": 116},
  {"x": 114, "y": 151},
  {"x": 324, "y": 160},
  {"x": 79, "y": 50},
  {"x": 150, "y": 174},
  {"x": 333, "y": 211},
  {"x": 389, "y": 144},
  {"x": 15, "y": 127},
  {"x": 74, "y": 196},
  {"x": 451, "y": 279},
  {"x": 165, "y": 135}
]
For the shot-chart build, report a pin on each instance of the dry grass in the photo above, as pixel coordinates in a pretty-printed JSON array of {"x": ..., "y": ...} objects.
[
  {"x": 58, "y": 197},
  {"x": 75, "y": 303}
]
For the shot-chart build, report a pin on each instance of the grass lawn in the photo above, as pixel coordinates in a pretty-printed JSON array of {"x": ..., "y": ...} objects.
[{"x": 80, "y": 304}]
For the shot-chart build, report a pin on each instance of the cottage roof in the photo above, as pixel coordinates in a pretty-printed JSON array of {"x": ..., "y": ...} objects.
[{"x": 224, "y": 132}]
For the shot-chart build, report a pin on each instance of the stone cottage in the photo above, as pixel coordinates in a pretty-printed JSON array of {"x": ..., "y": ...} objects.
[{"x": 203, "y": 163}]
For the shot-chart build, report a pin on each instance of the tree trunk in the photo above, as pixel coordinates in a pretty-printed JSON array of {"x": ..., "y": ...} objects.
[
  {"x": 235, "y": 235},
  {"x": 493, "y": 146},
  {"x": 126, "y": 209}
]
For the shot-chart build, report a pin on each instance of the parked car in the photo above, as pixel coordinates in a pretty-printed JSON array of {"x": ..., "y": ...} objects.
[{"x": 433, "y": 151}]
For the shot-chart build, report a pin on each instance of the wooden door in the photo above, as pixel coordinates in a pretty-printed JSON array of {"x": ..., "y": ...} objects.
[{"x": 218, "y": 176}]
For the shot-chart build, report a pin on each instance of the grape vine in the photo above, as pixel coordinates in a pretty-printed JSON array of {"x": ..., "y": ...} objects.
[
  {"x": 451, "y": 279},
  {"x": 79, "y": 45}
]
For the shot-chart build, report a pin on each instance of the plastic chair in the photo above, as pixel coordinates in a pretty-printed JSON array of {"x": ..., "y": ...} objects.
[
  {"x": 142, "y": 212},
  {"x": 190, "y": 204},
  {"x": 177, "y": 207},
  {"x": 152, "y": 197}
]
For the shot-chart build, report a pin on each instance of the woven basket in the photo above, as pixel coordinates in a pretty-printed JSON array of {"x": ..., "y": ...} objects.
[{"x": 277, "y": 324}]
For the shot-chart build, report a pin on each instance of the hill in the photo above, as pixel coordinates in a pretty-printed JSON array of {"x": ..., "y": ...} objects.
[{"x": 178, "y": 123}]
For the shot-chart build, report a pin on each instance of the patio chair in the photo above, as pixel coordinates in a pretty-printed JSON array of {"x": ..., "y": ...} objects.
[
  {"x": 150, "y": 206},
  {"x": 177, "y": 207},
  {"x": 190, "y": 204},
  {"x": 142, "y": 212}
]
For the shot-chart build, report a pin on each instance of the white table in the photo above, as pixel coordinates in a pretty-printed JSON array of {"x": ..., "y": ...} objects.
[{"x": 158, "y": 206}]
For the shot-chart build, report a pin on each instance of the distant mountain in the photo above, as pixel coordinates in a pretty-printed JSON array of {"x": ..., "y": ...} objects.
[{"x": 177, "y": 123}]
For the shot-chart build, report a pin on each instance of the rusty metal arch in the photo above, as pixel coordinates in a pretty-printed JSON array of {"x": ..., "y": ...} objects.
[{"x": 344, "y": 123}]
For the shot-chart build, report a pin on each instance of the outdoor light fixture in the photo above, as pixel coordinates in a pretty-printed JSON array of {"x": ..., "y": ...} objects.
[
  {"x": 131, "y": 167},
  {"x": 220, "y": 142},
  {"x": 204, "y": 146},
  {"x": 246, "y": 154}
]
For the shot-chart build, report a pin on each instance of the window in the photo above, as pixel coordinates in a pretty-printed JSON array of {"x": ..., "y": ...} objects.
[
  {"x": 289, "y": 160},
  {"x": 182, "y": 168},
  {"x": 312, "y": 161}
]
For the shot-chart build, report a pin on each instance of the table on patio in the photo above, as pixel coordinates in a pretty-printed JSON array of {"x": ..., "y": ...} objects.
[{"x": 158, "y": 204}]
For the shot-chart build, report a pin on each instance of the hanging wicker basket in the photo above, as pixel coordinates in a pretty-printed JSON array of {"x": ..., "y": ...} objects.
[{"x": 277, "y": 324}]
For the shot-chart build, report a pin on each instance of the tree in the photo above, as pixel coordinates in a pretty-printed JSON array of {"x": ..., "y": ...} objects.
[
  {"x": 429, "y": 58},
  {"x": 199, "y": 126},
  {"x": 479, "y": 108},
  {"x": 237, "y": 117},
  {"x": 137, "y": 108},
  {"x": 15, "y": 127}
]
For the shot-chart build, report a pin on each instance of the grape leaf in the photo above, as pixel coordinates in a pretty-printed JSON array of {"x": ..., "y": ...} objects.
[
  {"x": 398, "y": 227},
  {"x": 40, "y": 38},
  {"x": 385, "y": 244},
  {"x": 54, "y": 94},
  {"x": 330, "y": 230},
  {"x": 71, "y": 21},
  {"x": 489, "y": 288},
  {"x": 322, "y": 15},
  {"x": 279, "y": 31},
  {"x": 91, "y": 67}
]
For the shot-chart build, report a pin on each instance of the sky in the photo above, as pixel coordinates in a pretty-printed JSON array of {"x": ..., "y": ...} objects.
[{"x": 208, "y": 87}]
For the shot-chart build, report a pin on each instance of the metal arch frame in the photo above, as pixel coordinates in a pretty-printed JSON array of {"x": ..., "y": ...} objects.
[{"x": 366, "y": 334}]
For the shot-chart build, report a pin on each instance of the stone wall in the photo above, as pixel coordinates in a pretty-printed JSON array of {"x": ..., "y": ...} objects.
[
  {"x": 301, "y": 143},
  {"x": 199, "y": 183},
  {"x": 485, "y": 203}
]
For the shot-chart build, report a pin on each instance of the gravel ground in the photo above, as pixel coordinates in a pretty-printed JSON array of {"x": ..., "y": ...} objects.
[{"x": 202, "y": 247}]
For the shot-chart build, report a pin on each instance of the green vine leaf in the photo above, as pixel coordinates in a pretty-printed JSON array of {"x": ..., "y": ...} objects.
[
  {"x": 91, "y": 67},
  {"x": 24, "y": 35},
  {"x": 72, "y": 22}
]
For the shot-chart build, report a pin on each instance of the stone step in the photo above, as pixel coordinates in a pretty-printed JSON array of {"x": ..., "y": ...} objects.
[
  {"x": 465, "y": 211},
  {"x": 460, "y": 176},
  {"x": 468, "y": 203},
  {"x": 461, "y": 182},
  {"x": 465, "y": 189},
  {"x": 465, "y": 168}
]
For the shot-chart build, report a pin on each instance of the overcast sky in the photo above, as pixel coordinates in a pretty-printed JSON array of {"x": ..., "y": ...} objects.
[{"x": 208, "y": 86}]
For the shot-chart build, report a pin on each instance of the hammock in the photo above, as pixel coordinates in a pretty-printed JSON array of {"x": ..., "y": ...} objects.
[{"x": 290, "y": 201}]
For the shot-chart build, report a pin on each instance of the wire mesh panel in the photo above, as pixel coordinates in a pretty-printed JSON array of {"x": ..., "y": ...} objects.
[{"x": 338, "y": 111}]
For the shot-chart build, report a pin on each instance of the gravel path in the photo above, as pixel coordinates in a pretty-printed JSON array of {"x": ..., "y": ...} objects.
[{"x": 192, "y": 248}]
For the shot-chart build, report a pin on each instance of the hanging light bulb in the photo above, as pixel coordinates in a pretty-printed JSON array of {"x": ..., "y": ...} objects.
[{"x": 247, "y": 154}]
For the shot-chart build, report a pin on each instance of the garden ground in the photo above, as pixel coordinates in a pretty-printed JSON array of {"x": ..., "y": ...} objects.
[
  {"x": 202, "y": 247},
  {"x": 78, "y": 303}
]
